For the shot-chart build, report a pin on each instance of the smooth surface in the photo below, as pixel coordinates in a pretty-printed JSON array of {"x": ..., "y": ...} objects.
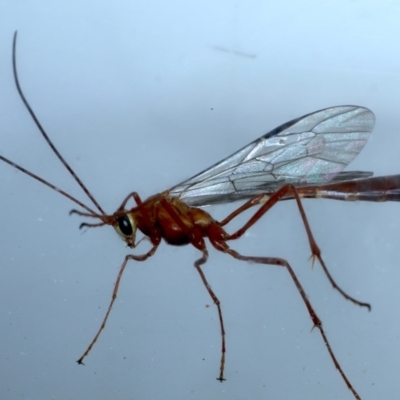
[{"x": 139, "y": 96}]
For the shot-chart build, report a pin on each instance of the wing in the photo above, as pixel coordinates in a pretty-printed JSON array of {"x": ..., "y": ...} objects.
[{"x": 308, "y": 150}]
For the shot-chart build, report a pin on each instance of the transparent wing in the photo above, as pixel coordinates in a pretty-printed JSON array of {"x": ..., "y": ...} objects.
[{"x": 308, "y": 150}]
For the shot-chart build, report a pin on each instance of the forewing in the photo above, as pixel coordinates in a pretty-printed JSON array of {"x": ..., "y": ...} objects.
[{"x": 307, "y": 150}]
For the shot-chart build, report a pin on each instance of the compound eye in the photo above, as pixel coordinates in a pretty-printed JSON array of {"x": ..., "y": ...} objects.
[{"x": 125, "y": 225}]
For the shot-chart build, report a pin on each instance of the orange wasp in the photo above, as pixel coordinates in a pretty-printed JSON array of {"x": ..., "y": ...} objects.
[{"x": 302, "y": 158}]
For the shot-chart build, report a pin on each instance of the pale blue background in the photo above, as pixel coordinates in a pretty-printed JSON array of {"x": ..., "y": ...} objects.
[{"x": 125, "y": 89}]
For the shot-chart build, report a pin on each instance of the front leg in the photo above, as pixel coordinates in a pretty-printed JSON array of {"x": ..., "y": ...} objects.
[{"x": 128, "y": 257}]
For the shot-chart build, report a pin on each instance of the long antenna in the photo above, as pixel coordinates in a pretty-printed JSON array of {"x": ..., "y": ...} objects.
[
  {"x": 49, "y": 142},
  {"x": 50, "y": 185}
]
